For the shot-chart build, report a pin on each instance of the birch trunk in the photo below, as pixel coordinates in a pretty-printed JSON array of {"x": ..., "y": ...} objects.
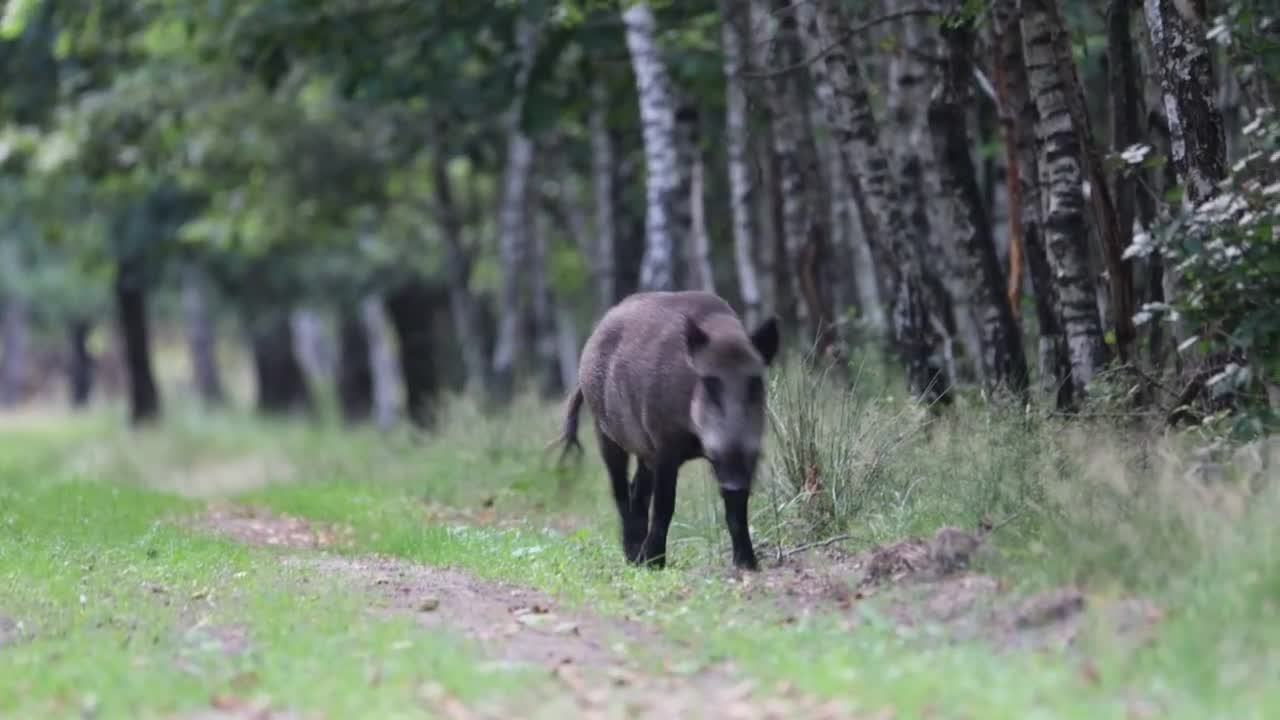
[
  {"x": 964, "y": 216},
  {"x": 843, "y": 95},
  {"x": 735, "y": 18},
  {"x": 701, "y": 276},
  {"x": 1117, "y": 293},
  {"x": 382, "y": 360},
  {"x": 201, "y": 339},
  {"x": 602, "y": 185},
  {"x": 1061, "y": 176},
  {"x": 1186, "y": 82},
  {"x": 917, "y": 172},
  {"x": 667, "y": 210},
  {"x": 1018, "y": 120},
  {"x": 804, "y": 230},
  {"x": 512, "y": 223}
]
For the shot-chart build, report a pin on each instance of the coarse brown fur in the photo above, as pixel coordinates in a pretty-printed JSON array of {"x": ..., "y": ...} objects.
[{"x": 671, "y": 377}]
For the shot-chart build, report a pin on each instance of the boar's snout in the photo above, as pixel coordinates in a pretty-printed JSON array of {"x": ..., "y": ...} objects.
[{"x": 734, "y": 468}]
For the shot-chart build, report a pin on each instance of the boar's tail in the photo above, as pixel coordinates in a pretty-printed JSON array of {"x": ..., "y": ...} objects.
[{"x": 569, "y": 433}]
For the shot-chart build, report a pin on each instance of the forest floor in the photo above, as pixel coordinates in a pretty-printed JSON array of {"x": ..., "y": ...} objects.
[{"x": 213, "y": 570}]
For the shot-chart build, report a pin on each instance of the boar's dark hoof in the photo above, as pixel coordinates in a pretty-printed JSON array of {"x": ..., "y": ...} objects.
[
  {"x": 633, "y": 552},
  {"x": 746, "y": 562},
  {"x": 653, "y": 559}
]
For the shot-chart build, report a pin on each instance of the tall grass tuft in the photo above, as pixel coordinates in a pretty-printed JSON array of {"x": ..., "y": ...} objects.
[{"x": 831, "y": 447}]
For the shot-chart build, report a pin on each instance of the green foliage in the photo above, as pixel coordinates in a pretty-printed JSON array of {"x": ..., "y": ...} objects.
[{"x": 1227, "y": 253}]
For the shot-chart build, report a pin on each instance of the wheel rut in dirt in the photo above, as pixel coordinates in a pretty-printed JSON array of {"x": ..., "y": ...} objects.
[{"x": 603, "y": 666}]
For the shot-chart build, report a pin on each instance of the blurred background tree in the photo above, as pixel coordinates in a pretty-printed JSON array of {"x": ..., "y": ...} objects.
[{"x": 373, "y": 204}]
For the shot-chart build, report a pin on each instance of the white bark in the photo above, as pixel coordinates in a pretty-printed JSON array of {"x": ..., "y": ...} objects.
[
  {"x": 1186, "y": 83},
  {"x": 512, "y": 239},
  {"x": 1061, "y": 175},
  {"x": 382, "y": 359},
  {"x": 843, "y": 95},
  {"x": 314, "y": 344},
  {"x": 666, "y": 200},
  {"x": 700, "y": 248},
  {"x": 201, "y": 338}
]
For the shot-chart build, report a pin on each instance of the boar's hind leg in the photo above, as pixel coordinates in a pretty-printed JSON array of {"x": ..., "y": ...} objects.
[
  {"x": 735, "y": 514},
  {"x": 615, "y": 461},
  {"x": 641, "y": 493},
  {"x": 664, "y": 506}
]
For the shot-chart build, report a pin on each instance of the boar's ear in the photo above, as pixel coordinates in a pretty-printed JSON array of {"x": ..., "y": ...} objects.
[
  {"x": 766, "y": 339},
  {"x": 695, "y": 337}
]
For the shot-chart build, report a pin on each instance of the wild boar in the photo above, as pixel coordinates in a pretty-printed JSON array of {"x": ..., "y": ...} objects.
[{"x": 671, "y": 377}]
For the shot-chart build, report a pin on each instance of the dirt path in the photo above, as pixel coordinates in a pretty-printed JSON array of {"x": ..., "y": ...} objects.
[
  {"x": 609, "y": 667},
  {"x": 603, "y": 667}
]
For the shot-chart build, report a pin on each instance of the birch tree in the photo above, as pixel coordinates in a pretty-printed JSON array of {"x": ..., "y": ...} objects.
[
  {"x": 1061, "y": 170},
  {"x": 844, "y": 98},
  {"x": 1186, "y": 82},
  {"x": 1018, "y": 116},
  {"x": 512, "y": 220},
  {"x": 667, "y": 211},
  {"x": 735, "y": 17},
  {"x": 911, "y": 78},
  {"x": 804, "y": 227},
  {"x": 201, "y": 338},
  {"x": 964, "y": 214}
]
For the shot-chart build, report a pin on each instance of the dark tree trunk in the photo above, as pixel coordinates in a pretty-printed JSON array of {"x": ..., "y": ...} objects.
[
  {"x": 13, "y": 352},
  {"x": 1186, "y": 78},
  {"x": 462, "y": 302},
  {"x": 1004, "y": 365},
  {"x": 80, "y": 363},
  {"x": 630, "y": 229},
  {"x": 131, "y": 306},
  {"x": 603, "y": 184},
  {"x": 355, "y": 369},
  {"x": 410, "y": 308},
  {"x": 201, "y": 341},
  {"x": 545, "y": 333},
  {"x": 282, "y": 384}
]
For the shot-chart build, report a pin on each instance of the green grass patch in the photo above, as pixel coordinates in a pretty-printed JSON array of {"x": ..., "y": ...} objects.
[{"x": 113, "y": 609}]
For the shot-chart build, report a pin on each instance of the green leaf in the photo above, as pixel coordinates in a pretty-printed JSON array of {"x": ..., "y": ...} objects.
[{"x": 17, "y": 13}]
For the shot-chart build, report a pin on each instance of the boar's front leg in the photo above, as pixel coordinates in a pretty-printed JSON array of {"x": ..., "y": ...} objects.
[{"x": 735, "y": 514}]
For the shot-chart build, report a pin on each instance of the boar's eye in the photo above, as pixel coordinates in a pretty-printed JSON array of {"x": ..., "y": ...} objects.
[
  {"x": 713, "y": 388},
  {"x": 755, "y": 390}
]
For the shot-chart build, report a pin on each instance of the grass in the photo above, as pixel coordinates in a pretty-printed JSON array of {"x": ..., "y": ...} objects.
[
  {"x": 1116, "y": 512},
  {"x": 121, "y": 612}
]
